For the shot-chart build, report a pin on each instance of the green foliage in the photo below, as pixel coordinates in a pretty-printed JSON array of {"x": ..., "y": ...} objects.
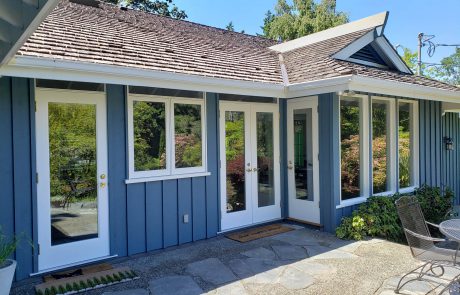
[
  {"x": 230, "y": 27},
  {"x": 302, "y": 18},
  {"x": 449, "y": 71},
  {"x": 160, "y": 7},
  {"x": 7, "y": 247},
  {"x": 61, "y": 289},
  {"x": 75, "y": 286},
  {"x": 68, "y": 287},
  {"x": 39, "y": 292},
  {"x": 378, "y": 217}
]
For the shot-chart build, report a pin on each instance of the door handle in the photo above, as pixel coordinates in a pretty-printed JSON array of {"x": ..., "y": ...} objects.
[
  {"x": 255, "y": 169},
  {"x": 248, "y": 170},
  {"x": 290, "y": 167}
]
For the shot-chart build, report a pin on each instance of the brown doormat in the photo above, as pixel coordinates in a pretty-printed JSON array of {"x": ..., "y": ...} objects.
[
  {"x": 258, "y": 232},
  {"x": 75, "y": 283},
  {"x": 77, "y": 272}
]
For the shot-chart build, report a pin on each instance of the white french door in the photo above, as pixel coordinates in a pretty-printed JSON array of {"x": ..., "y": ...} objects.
[
  {"x": 249, "y": 153},
  {"x": 71, "y": 132},
  {"x": 303, "y": 163}
]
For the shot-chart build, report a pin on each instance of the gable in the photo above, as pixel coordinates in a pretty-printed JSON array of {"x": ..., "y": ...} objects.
[{"x": 374, "y": 50}]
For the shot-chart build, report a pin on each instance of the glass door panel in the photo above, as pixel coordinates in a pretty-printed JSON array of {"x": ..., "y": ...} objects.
[
  {"x": 235, "y": 146},
  {"x": 73, "y": 172},
  {"x": 303, "y": 154},
  {"x": 265, "y": 157}
]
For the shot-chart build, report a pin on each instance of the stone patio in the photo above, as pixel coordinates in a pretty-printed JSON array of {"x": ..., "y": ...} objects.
[{"x": 302, "y": 261}]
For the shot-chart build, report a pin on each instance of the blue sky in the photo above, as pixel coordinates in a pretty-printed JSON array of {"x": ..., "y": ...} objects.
[{"x": 407, "y": 18}]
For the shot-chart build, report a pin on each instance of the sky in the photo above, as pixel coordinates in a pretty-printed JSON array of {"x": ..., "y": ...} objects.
[{"x": 407, "y": 18}]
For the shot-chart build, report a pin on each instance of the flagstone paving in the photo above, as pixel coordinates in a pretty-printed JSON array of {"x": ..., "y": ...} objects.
[{"x": 302, "y": 261}]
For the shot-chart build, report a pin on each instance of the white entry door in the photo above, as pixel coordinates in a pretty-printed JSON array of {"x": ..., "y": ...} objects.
[
  {"x": 249, "y": 153},
  {"x": 303, "y": 163},
  {"x": 73, "y": 224}
]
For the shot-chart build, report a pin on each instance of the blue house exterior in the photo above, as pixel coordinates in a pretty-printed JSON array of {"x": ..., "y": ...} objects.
[{"x": 155, "y": 212}]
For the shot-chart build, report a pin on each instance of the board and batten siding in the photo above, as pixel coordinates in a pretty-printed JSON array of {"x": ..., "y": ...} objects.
[
  {"x": 142, "y": 216},
  {"x": 451, "y": 159}
]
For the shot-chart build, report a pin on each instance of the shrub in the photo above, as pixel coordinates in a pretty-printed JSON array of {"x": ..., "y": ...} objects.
[
  {"x": 7, "y": 247},
  {"x": 377, "y": 217}
]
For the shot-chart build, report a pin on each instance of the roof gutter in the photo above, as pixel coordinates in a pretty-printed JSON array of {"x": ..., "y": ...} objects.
[
  {"x": 401, "y": 89},
  {"x": 42, "y": 68}
]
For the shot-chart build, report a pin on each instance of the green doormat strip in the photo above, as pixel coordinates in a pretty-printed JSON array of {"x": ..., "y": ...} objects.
[
  {"x": 258, "y": 232},
  {"x": 86, "y": 282}
]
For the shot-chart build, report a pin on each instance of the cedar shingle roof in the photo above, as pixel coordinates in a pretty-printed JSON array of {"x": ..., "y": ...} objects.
[
  {"x": 111, "y": 36},
  {"x": 106, "y": 34}
]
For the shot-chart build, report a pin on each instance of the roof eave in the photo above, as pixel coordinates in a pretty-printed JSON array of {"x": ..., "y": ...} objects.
[{"x": 45, "y": 68}]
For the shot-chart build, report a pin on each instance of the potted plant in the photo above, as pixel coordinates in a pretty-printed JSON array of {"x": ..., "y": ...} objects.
[{"x": 7, "y": 266}]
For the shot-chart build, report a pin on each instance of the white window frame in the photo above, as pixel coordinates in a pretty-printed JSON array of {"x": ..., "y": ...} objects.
[
  {"x": 392, "y": 129},
  {"x": 170, "y": 172},
  {"x": 415, "y": 146},
  {"x": 364, "y": 150}
]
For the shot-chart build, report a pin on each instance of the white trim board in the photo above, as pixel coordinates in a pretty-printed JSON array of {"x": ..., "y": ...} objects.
[
  {"x": 42, "y": 68},
  {"x": 377, "y": 20}
]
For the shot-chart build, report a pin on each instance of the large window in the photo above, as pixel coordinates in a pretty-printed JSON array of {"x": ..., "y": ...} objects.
[
  {"x": 378, "y": 146},
  {"x": 353, "y": 147},
  {"x": 407, "y": 144},
  {"x": 166, "y": 136}
]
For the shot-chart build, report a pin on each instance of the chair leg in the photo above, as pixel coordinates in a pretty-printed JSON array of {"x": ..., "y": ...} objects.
[{"x": 420, "y": 272}]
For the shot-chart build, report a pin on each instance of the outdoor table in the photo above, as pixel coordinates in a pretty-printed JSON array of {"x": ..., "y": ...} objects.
[{"x": 451, "y": 229}]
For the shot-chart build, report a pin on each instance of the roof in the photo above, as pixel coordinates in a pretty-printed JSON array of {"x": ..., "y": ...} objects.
[
  {"x": 105, "y": 34},
  {"x": 110, "y": 35}
]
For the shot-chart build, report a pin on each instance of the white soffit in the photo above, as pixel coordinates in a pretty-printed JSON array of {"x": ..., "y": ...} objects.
[{"x": 373, "y": 21}]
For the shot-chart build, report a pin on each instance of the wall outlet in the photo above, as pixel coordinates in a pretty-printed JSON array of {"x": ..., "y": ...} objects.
[{"x": 185, "y": 218}]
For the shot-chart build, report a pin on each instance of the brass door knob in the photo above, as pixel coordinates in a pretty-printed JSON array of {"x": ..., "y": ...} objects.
[
  {"x": 290, "y": 167},
  {"x": 103, "y": 184},
  {"x": 102, "y": 176}
]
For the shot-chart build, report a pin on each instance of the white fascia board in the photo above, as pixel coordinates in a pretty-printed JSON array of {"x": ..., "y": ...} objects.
[
  {"x": 355, "y": 46},
  {"x": 392, "y": 55},
  {"x": 373, "y": 21},
  {"x": 42, "y": 68},
  {"x": 386, "y": 87},
  {"x": 328, "y": 85},
  {"x": 41, "y": 15}
]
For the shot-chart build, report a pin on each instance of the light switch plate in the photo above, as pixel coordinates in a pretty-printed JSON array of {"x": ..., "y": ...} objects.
[{"x": 185, "y": 218}]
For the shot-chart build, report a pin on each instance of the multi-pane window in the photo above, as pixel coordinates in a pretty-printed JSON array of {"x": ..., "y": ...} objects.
[
  {"x": 379, "y": 154},
  {"x": 166, "y": 136}
]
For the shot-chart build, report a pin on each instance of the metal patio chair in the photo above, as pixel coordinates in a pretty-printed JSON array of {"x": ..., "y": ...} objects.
[{"x": 423, "y": 246}]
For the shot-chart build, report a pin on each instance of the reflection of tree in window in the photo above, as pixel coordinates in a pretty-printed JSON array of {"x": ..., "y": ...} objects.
[
  {"x": 149, "y": 135},
  {"x": 265, "y": 174},
  {"x": 235, "y": 161},
  {"x": 405, "y": 144},
  {"x": 188, "y": 143},
  {"x": 380, "y": 146},
  {"x": 350, "y": 147}
]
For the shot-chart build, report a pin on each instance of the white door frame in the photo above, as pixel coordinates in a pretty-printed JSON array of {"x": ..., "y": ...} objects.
[
  {"x": 252, "y": 214},
  {"x": 62, "y": 255},
  {"x": 303, "y": 210}
]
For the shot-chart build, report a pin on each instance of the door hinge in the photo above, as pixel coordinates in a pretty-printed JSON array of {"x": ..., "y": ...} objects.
[
  {"x": 36, "y": 177},
  {"x": 38, "y": 249},
  {"x": 35, "y": 105}
]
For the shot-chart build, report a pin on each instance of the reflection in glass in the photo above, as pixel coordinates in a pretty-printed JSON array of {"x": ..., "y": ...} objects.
[
  {"x": 380, "y": 145},
  {"x": 350, "y": 147},
  {"x": 235, "y": 159},
  {"x": 149, "y": 123},
  {"x": 265, "y": 174},
  {"x": 303, "y": 154},
  {"x": 73, "y": 172},
  {"x": 405, "y": 144},
  {"x": 187, "y": 125}
]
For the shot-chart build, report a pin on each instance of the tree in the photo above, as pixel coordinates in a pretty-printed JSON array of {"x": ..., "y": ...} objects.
[
  {"x": 449, "y": 71},
  {"x": 302, "y": 18},
  {"x": 160, "y": 7},
  {"x": 230, "y": 27}
]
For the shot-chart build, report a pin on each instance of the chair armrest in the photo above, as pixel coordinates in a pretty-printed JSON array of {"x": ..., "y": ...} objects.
[
  {"x": 432, "y": 224},
  {"x": 422, "y": 237}
]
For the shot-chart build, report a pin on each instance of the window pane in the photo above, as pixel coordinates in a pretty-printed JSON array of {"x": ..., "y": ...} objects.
[
  {"x": 187, "y": 130},
  {"x": 265, "y": 173},
  {"x": 380, "y": 146},
  {"x": 350, "y": 147},
  {"x": 235, "y": 160},
  {"x": 405, "y": 144},
  {"x": 303, "y": 154},
  {"x": 149, "y": 135}
]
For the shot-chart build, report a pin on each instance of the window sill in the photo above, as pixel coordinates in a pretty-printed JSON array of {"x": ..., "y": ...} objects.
[
  {"x": 351, "y": 202},
  {"x": 166, "y": 177},
  {"x": 385, "y": 194},
  {"x": 407, "y": 190}
]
